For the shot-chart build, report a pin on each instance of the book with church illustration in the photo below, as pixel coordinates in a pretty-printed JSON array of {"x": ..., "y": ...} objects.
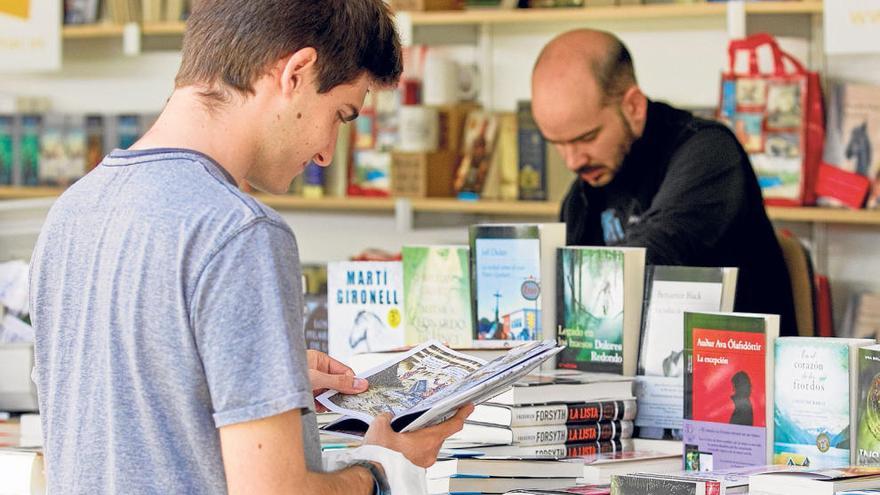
[
  {"x": 728, "y": 389},
  {"x": 599, "y": 313},
  {"x": 429, "y": 384},
  {"x": 364, "y": 307},
  {"x": 815, "y": 401},
  {"x": 437, "y": 295},
  {"x": 513, "y": 281}
]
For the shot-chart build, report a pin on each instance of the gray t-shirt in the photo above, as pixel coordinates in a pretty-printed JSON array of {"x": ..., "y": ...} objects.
[{"x": 166, "y": 305}]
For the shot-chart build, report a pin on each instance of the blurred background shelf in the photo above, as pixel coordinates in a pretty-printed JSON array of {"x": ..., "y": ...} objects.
[
  {"x": 538, "y": 209},
  {"x": 511, "y": 16}
]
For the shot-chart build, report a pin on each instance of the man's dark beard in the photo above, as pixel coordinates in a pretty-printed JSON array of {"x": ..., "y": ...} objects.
[{"x": 629, "y": 139}]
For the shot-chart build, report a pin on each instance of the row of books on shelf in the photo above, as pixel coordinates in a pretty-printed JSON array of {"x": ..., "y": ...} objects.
[
  {"x": 57, "y": 149},
  {"x": 125, "y": 11},
  {"x": 422, "y": 5},
  {"x": 456, "y": 150},
  {"x": 475, "y": 154}
]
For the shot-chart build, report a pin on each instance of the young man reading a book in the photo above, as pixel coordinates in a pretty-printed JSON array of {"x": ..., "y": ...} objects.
[
  {"x": 167, "y": 305},
  {"x": 650, "y": 175}
]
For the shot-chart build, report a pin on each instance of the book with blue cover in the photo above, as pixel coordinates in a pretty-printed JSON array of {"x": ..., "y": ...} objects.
[
  {"x": 513, "y": 270},
  {"x": 814, "y": 408},
  {"x": 814, "y": 404}
]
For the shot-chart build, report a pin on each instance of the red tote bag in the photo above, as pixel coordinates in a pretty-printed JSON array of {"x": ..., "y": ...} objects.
[{"x": 776, "y": 112}]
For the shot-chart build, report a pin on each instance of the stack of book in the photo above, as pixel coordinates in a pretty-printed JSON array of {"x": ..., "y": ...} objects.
[
  {"x": 554, "y": 415},
  {"x": 498, "y": 475}
]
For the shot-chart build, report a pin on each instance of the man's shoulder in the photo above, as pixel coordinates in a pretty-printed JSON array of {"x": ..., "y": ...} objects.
[{"x": 174, "y": 191}]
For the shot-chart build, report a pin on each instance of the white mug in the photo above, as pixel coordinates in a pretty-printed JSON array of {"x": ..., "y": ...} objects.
[
  {"x": 418, "y": 129},
  {"x": 445, "y": 82}
]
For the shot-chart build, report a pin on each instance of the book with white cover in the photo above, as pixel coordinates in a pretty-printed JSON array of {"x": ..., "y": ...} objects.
[
  {"x": 560, "y": 387},
  {"x": 803, "y": 481},
  {"x": 494, "y": 485},
  {"x": 504, "y": 467},
  {"x": 21, "y": 472},
  {"x": 365, "y": 307}
]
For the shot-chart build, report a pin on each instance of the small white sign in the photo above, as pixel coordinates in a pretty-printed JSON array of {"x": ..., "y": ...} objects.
[
  {"x": 30, "y": 35},
  {"x": 852, "y": 26}
]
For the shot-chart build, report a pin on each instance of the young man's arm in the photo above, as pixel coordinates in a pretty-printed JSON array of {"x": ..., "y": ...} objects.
[{"x": 266, "y": 456}]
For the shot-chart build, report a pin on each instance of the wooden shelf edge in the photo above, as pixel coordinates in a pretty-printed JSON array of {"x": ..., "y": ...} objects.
[
  {"x": 824, "y": 215},
  {"x": 506, "y": 16},
  {"x": 91, "y": 31},
  {"x": 547, "y": 209},
  {"x": 15, "y": 192},
  {"x": 644, "y": 11},
  {"x": 164, "y": 28}
]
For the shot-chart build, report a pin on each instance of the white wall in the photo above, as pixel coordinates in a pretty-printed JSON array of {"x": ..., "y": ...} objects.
[{"x": 676, "y": 61}]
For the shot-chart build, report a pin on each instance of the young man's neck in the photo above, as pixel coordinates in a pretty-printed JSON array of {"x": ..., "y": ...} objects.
[{"x": 224, "y": 133}]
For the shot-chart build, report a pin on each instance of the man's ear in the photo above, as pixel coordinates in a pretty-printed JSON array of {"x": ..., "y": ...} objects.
[
  {"x": 297, "y": 70},
  {"x": 635, "y": 106}
]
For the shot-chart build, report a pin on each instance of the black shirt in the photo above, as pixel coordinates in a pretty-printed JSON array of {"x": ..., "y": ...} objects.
[{"x": 687, "y": 193}]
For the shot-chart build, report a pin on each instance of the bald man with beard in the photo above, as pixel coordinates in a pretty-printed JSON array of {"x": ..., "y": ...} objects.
[{"x": 650, "y": 175}]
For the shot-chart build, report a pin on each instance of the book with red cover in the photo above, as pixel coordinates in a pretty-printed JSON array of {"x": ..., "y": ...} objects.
[
  {"x": 849, "y": 188},
  {"x": 728, "y": 389}
]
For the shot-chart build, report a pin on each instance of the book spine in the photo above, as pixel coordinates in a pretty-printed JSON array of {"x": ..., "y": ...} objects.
[
  {"x": 592, "y": 449},
  {"x": 532, "y": 157},
  {"x": 551, "y": 414},
  {"x": 571, "y": 434},
  {"x": 645, "y": 485},
  {"x": 601, "y": 411},
  {"x": 561, "y": 414}
]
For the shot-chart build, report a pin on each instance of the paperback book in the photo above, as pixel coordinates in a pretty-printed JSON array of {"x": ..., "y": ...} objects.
[
  {"x": 815, "y": 401},
  {"x": 728, "y": 387},
  {"x": 512, "y": 269},
  {"x": 868, "y": 419},
  {"x": 554, "y": 414},
  {"x": 428, "y": 384},
  {"x": 365, "y": 307},
  {"x": 437, "y": 295},
  {"x": 600, "y": 308},
  {"x": 669, "y": 292},
  {"x": 315, "y": 322}
]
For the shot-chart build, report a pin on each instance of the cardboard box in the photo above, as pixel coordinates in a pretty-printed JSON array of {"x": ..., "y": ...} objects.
[
  {"x": 423, "y": 175},
  {"x": 422, "y": 5}
]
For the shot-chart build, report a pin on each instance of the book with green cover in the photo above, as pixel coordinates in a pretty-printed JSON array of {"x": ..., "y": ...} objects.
[
  {"x": 868, "y": 433},
  {"x": 600, "y": 308},
  {"x": 814, "y": 405},
  {"x": 437, "y": 295}
]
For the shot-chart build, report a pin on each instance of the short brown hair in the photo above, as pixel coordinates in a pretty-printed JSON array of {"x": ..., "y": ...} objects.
[
  {"x": 229, "y": 44},
  {"x": 614, "y": 72}
]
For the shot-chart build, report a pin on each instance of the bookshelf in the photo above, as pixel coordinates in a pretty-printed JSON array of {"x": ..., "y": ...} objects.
[
  {"x": 536, "y": 209},
  {"x": 92, "y": 31},
  {"x": 512, "y": 16}
]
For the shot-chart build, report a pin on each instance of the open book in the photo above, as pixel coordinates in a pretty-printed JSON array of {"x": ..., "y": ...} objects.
[{"x": 428, "y": 384}]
